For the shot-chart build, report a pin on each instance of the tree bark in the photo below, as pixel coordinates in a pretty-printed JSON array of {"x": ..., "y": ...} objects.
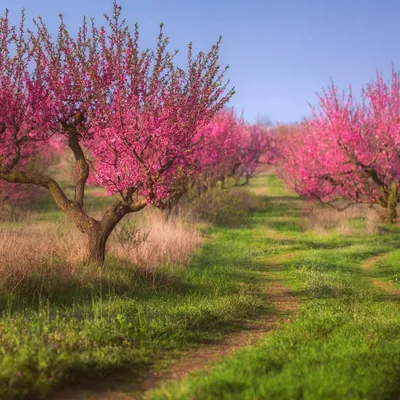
[
  {"x": 99, "y": 233},
  {"x": 97, "y": 248},
  {"x": 392, "y": 201}
]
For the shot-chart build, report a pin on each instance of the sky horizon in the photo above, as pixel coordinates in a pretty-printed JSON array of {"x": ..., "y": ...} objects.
[{"x": 281, "y": 53}]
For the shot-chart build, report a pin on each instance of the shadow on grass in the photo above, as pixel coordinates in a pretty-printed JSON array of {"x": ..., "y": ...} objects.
[
  {"x": 224, "y": 265},
  {"x": 129, "y": 380}
]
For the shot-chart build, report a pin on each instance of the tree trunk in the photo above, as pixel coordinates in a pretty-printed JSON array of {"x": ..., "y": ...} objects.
[
  {"x": 391, "y": 209},
  {"x": 98, "y": 235},
  {"x": 99, "y": 231},
  {"x": 97, "y": 247}
]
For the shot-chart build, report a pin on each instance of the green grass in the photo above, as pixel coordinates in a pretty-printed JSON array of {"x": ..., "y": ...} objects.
[
  {"x": 345, "y": 342},
  {"x": 123, "y": 321},
  {"x": 389, "y": 267}
]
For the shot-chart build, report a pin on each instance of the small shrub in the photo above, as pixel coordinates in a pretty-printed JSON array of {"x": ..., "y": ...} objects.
[{"x": 221, "y": 203}]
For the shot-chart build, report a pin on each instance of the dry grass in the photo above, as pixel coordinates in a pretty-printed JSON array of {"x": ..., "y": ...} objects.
[
  {"x": 322, "y": 219},
  {"x": 151, "y": 240},
  {"x": 50, "y": 255},
  {"x": 37, "y": 253}
]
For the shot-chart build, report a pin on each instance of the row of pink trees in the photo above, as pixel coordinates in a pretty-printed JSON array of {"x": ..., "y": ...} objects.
[
  {"x": 234, "y": 149},
  {"x": 349, "y": 152},
  {"x": 141, "y": 127},
  {"x": 227, "y": 149},
  {"x": 132, "y": 110}
]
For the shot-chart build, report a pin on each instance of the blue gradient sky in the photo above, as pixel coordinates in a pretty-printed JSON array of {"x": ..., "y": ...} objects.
[{"x": 280, "y": 52}]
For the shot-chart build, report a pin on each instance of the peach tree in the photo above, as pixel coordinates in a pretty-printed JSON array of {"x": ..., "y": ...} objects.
[{"x": 129, "y": 116}]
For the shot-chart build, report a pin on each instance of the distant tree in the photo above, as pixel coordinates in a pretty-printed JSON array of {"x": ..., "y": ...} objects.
[
  {"x": 259, "y": 148},
  {"x": 235, "y": 148}
]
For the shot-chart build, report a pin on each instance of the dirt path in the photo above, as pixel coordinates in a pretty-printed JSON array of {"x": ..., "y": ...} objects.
[
  {"x": 284, "y": 303},
  {"x": 368, "y": 266}
]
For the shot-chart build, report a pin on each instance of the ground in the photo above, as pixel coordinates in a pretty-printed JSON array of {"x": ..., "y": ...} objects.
[{"x": 268, "y": 309}]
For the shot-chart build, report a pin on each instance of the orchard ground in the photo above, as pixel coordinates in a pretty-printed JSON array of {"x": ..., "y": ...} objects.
[{"x": 66, "y": 331}]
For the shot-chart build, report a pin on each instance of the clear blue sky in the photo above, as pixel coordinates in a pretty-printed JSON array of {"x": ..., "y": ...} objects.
[{"x": 280, "y": 52}]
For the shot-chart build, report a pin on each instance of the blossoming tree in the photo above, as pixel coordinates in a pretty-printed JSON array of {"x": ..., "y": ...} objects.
[
  {"x": 349, "y": 150},
  {"x": 133, "y": 111},
  {"x": 235, "y": 148}
]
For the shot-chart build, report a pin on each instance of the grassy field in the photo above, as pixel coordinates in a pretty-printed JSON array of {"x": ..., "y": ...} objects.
[
  {"x": 344, "y": 342},
  {"x": 60, "y": 327}
]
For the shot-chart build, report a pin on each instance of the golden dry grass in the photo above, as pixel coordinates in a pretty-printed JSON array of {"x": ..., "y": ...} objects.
[
  {"x": 323, "y": 219},
  {"x": 156, "y": 240},
  {"x": 49, "y": 252}
]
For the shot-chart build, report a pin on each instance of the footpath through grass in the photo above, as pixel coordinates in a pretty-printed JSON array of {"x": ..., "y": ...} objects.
[
  {"x": 344, "y": 344},
  {"x": 122, "y": 321}
]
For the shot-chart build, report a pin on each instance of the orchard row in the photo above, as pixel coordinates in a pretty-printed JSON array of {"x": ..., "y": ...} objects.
[{"x": 147, "y": 130}]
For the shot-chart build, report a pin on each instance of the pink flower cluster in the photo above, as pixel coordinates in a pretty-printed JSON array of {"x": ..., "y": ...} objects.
[{"x": 144, "y": 124}]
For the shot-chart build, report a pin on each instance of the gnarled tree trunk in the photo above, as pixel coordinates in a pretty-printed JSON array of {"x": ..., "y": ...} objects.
[{"x": 98, "y": 231}]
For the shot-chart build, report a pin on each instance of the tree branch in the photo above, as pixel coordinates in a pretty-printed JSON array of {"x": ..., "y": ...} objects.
[
  {"x": 116, "y": 212},
  {"x": 70, "y": 208},
  {"x": 81, "y": 162}
]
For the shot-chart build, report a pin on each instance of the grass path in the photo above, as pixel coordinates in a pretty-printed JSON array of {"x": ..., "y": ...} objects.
[
  {"x": 281, "y": 301},
  {"x": 345, "y": 341},
  {"x": 369, "y": 267},
  {"x": 225, "y": 320},
  {"x": 284, "y": 303}
]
